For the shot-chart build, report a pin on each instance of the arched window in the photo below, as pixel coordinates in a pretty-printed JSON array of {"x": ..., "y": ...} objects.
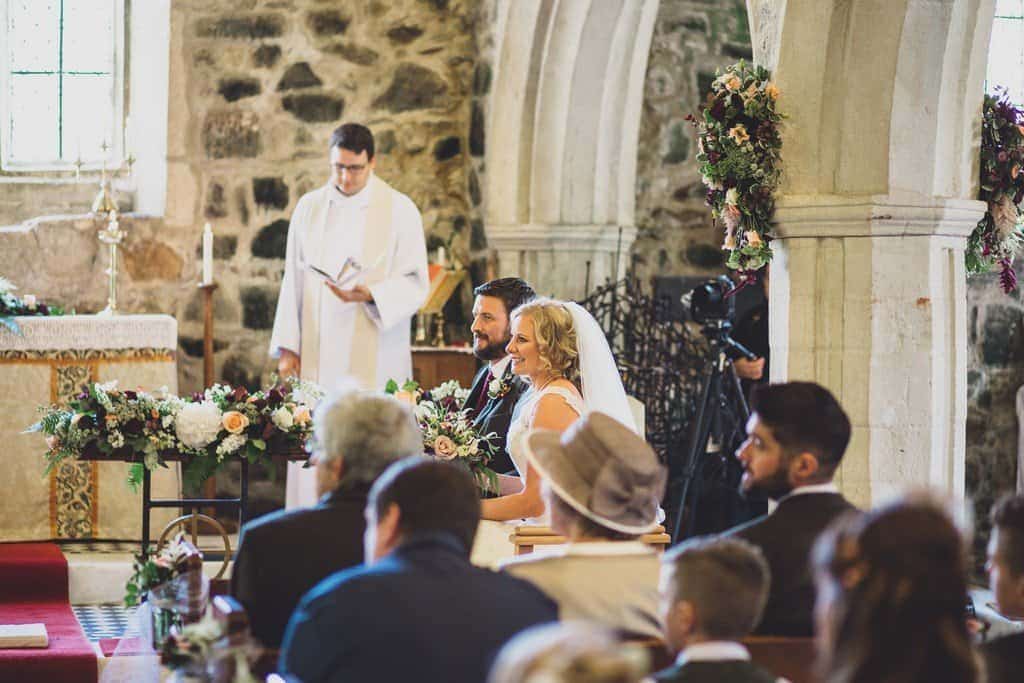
[
  {"x": 1006, "y": 50},
  {"x": 62, "y": 83}
]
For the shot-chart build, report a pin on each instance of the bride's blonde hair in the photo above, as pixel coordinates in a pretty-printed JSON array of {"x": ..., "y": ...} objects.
[{"x": 555, "y": 336}]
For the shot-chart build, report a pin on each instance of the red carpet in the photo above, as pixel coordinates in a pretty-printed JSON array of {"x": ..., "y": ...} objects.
[{"x": 34, "y": 589}]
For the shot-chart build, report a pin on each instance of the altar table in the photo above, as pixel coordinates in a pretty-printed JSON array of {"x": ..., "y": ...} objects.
[{"x": 48, "y": 363}]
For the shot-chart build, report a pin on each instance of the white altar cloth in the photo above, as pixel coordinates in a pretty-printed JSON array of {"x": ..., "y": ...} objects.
[{"x": 48, "y": 363}]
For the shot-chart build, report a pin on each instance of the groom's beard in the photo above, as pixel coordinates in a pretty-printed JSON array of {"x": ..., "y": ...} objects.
[{"x": 491, "y": 350}]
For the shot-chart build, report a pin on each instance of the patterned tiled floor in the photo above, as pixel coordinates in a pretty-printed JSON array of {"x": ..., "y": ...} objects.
[{"x": 106, "y": 621}]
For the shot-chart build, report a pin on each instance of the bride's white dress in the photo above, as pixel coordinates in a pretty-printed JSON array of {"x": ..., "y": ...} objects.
[{"x": 522, "y": 419}]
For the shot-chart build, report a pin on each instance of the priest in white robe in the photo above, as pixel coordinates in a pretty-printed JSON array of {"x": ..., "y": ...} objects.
[{"x": 358, "y": 333}]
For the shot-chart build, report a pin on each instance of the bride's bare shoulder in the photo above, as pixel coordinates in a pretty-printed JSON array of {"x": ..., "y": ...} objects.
[{"x": 554, "y": 411}]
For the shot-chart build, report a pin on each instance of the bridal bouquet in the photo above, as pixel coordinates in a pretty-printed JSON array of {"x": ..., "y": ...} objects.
[
  {"x": 738, "y": 147},
  {"x": 201, "y": 431},
  {"x": 998, "y": 235},
  {"x": 448, "y": 431},
  {"x": 12, "y": 305}
]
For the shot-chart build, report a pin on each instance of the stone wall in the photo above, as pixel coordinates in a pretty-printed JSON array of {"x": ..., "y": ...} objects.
[
  {"x": 257, "y": 88},
  {"x": 691, "y": 39},
  {"x": 995, "y": 373}
]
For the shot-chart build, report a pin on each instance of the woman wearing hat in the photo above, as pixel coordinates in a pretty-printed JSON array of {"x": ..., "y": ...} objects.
[
  {"x": 602, "y": 485},
  {"x": 562, "y": 352}
]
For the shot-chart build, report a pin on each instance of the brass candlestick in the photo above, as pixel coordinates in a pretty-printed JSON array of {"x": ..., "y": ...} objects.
[{"x": 112, "y": 236}]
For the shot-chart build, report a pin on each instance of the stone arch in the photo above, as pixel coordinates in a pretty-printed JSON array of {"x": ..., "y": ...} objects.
[
  {"x": 564, "y": 125},
  {"x": 868, "y": 289}
]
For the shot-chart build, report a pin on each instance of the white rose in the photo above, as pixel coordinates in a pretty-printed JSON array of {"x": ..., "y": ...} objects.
[
  {"x": 494, "y": 387},
  {"x": 282, "y": 417},
  {"x": 732, "y": 197},
  {"x": 30, "y": 301}
]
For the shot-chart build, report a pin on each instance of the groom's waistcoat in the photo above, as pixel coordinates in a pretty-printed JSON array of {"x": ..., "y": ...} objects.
[{"x": 496, "y": 415}]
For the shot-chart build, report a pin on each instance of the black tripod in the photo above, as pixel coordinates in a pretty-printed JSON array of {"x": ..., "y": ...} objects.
[{"x": 707, "y": 434}]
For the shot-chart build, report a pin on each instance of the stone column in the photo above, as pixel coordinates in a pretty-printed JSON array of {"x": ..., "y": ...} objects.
[
  {"x": 868, "y": 293},
  {"x": 868, "y": 298},
  {"x": 563, "y": 129}
]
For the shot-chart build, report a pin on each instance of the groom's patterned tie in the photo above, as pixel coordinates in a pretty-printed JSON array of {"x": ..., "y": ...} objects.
[{"x": 481, "y": 400}]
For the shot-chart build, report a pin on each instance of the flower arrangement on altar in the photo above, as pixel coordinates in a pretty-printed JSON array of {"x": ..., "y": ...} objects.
[
  {"x": 448, "y": 431},
  {"x": 738, "y": 148},
  {"x": 998, "y": 235},
  {"x": 12, "y": 305},
  {"x": 105, "y": 422}
]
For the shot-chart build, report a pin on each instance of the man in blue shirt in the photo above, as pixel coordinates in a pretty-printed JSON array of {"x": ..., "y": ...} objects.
[{"x": 418, "y": 610}]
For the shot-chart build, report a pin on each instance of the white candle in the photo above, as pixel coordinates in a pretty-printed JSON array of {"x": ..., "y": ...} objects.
[
  {"x": 440, "y": 257},
  {"x": 207, "y": 254}
]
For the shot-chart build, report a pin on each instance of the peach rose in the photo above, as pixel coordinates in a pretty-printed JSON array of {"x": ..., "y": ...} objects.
[
  {"x": 444, "y": 448},
  {"x": 301, "y": 415},
  {"x": 753, "y": 238},
  {"x": 739, "y": 134},
  {"x": 772, "y": 91},
  {"x": 406, "y": 397},
  {"x": 730, "y": 241},
  {"x": 733, "y": 83},
  {"x": 234, "y": 421}
]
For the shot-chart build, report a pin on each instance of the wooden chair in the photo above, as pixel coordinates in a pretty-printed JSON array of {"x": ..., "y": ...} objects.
[
  {"x": 525, "y": 537},
  {"x": 790, "y": 658}
]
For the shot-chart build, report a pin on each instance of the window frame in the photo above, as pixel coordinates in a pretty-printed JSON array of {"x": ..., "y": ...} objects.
[{"x": 117, "y": 153}]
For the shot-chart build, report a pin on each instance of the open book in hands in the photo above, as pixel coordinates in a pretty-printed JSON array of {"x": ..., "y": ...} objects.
[{"x": 346, "y": 277}]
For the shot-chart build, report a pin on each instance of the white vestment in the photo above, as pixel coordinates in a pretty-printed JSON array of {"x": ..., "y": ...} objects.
[{"x": 328, "y": 227}]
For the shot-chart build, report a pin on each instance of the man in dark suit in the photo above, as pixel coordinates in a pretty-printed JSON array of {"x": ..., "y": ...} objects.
[
  {"x": 496, "y": 390},
  {"x": 796, "y": 436},
  {"x": 1004, "y": 657},
  {"x": 712, "y": 593},
  {"x": 418, "y": 611},
  {"x": 282, "y": 555}
]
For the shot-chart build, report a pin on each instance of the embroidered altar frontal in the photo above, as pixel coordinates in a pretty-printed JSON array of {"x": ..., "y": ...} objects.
[{"x": 48, "y": 363}]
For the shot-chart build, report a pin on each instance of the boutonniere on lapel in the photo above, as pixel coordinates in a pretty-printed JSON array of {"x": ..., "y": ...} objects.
[{"x": 498, "y": 387}]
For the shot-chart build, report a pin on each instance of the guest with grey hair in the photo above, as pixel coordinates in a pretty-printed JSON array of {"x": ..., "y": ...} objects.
[
  {"x": 602, "y": 484},
  {"x": 713, "y": 591},
  {"x": 356, "y": 436}
]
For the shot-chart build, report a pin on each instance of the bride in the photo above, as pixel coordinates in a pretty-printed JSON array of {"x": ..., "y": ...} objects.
[{"x": 562, "y": 352}]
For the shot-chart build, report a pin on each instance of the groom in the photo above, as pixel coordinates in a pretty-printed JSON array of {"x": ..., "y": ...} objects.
[{"x": 495, "y": 389}]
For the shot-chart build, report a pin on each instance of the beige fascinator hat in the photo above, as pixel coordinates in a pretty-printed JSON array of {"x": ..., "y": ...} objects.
[{"x": 603, "y": 470}]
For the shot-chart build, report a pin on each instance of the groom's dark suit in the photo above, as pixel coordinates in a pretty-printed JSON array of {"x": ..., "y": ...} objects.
[{"x": 495, "y": 414}]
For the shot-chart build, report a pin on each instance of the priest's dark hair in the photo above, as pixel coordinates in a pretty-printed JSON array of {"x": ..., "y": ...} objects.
[
  {"x": 355, "y": 137},
  {"x": 432, "y": 496},
  {"x": 513, "y": 292},
  {"x": 804, "y": 417}
]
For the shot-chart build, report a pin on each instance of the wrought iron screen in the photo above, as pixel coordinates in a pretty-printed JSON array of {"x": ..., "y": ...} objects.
[{"x": 661, "y": 359}]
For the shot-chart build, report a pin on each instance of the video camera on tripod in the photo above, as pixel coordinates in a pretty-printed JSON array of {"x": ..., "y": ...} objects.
[
  {"x": 722, "y": 408},
  {"x": 713, "y": 306}
]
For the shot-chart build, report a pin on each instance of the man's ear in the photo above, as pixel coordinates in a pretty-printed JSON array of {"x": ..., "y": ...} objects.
[
  {"x": 338, "y": 467},
  {"x": 388, "y": 533},
  {"x": 804, "y": 468},
  {"x": 682, "y": 619}
]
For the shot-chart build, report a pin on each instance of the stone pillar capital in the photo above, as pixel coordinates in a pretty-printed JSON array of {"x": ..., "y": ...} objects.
[
  {"x": 561, "y": 237},
  {"x": 876, "y": 216}
]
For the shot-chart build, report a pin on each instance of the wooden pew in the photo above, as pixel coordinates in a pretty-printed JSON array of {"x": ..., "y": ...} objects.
[
  {"x": 790, "y": 658},
  {"x": 525, "y": 537}
]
